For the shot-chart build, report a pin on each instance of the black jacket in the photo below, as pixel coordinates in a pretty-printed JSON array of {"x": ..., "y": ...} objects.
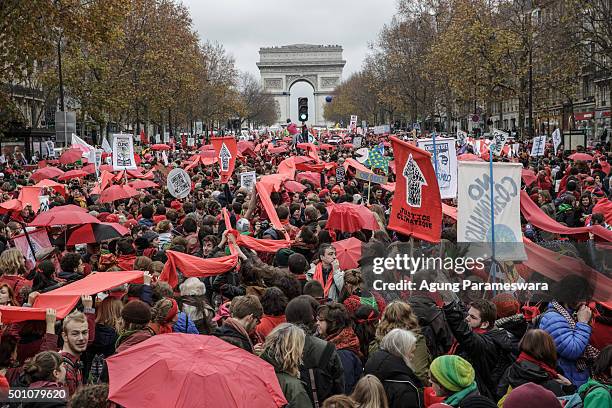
[
  {"x": 233, "y": 336},
  {"x": 331, "y": 369},
  {"x": 522, "y": 372},
  {"x": 489, "y": 353},
  {"x": 433, "y": 325},
  {"x": 403, "y": 388},
  {"x": 104, "y": 344}
]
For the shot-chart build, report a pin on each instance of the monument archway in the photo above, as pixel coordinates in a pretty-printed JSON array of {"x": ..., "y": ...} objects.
[{"x": 319, "y": 65}]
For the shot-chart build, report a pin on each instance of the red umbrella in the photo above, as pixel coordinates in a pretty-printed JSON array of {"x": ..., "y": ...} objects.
[
  {"x": 348, "y": 252},
  {"x": 390, "y": 186},
  {"x": 73, "y": 174},
  {"x": 580, "y": 156},
  {"x": 117, "y": 192},
  {"x": 294, "y": 187},
  {"x": 348, "y": 145},
  {"x": 183, "y": 370},
  {"x": 70, "y": 156},
  {"x": 348, "y": 217},
  {"x": 60, "y": 188},
  {"x": 528, "y": 176},
  {"x": 158, "y": 147},
  {"x": 277, "y": 150},
  {"x": 106, "y": 167},
  {"x": 288, "y": 139},
  {"x": 89, "y": 169},
  {"x": 207, "y": 147},
  {"x": 89, "y": 233},
  {"x": 64, "y": 215},
  {"x": 46, "y": 173},
  {"x": 325, "y": 146},
  {"x": 312, "y": 177},
  {"x": 468, "y": 157},
  {"x": 11, "y": 205},
  {"x": 138, "y": 184}
]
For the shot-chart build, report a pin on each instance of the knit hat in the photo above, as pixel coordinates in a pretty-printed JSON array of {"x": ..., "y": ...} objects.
[
  {"x": 149, "y": 236},
  {"x": 531, "y": 395},
  {"x": 323, "y": 193},
  {"x": 452, "y": 372},
  {"x": 136, "y": 311},
  {"x": 112, "y": 218},
  {"x": 172, "y": 312},
  {"x": 282, "y": 257},
  {"x": 176, "y": 205},
  {"x": 506, "y": 305}
]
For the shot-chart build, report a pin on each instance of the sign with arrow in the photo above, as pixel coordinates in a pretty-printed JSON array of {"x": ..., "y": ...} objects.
[
  {"x": 224, "y": 157},
  {"x": 226, "y": 149},
  {"x": 414, "y": 182}
]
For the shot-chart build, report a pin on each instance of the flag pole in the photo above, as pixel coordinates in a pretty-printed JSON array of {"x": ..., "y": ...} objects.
[
  {"x": 435, "y": 153},
  {"x": 492, "y": 204}
]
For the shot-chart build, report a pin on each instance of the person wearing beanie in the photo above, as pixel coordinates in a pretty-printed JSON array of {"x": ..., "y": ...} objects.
[
  {"x": 135, "y": 316},
  {"x": 531, "y": 395},
  {"x": 453, "y": 377},
  {"x": 281, "y": 259},
  {"x": 490, "y": 350},
  {"x": 163, "y": 316},
  {"x": 509, "y": 316}
]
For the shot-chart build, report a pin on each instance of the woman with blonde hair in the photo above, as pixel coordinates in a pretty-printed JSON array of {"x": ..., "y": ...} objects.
[
  {"x": 108, "y": 326},
  {"x": 392, "y": 365},
  {"x": 399, "y": 315},
  {"x": 12, "y": 269},
  {"x": 370, "y": 393},
  {"x": 283, "y": 349}
]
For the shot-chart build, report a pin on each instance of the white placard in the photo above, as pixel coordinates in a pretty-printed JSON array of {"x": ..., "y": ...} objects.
[
  {"x": 499, "y": 141},
  {"x": 44, "y": 202},
  {"x": 123, "y": 152},
  {"x": 190, "y": 141},
  {"x": 474, "y": 209},
  {"x": 357, "y": 140},
  {"x": 446, "y": 169},
  {"x": 179, "y": 183},
  {"x": 248, "y": 179},
  {"x": 166, "y": 137},
  {"x": 50, "y": 146},
  {"x": 164, "y": 157},
  {"x": 538, "y": 146},
  {"x": 157, "y": 138},
  {"x": 556, "y": 137},
  {"x": 461, "y": 137}
]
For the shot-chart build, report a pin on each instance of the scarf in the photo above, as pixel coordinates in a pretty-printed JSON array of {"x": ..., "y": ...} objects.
[
  {"x": 193, "y": 266},
  {"x": 455, "y": 399},
  {"x": 318, "y": 276},
  {"x": 346, "y": 339},
  {"x": 552, "y": 373},
  {"x": 590, "y": 353},
  {"x": 233, "y": 323},
  {"x": 126, "y": 262}
]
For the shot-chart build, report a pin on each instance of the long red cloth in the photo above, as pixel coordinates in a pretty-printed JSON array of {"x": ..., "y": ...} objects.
[
  {"x": 195, "y": 267},
  {"x": 541, "y": 220},
  {"x": 65, "y": 298}
]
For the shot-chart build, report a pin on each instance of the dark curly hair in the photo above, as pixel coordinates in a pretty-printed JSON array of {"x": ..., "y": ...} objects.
[{"x": 274, "y": 302}]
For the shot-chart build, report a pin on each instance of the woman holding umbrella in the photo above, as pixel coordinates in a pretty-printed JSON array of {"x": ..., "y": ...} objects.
[{"x": 283, "y": 349}]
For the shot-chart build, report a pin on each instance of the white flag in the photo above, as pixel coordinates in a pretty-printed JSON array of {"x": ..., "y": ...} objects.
[
  {"x": 537, "y": 148},
  {"x": 106, "y": 146},
  {"x": 79, "y": 143},
  {"x": 499, "y": 140}
]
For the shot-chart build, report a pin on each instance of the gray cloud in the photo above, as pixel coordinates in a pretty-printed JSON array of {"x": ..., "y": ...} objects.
[{"x": 243, "y": 26}]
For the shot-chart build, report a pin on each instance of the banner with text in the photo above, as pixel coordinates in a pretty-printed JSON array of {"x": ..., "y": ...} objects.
[{"x": 446, "y": 169}]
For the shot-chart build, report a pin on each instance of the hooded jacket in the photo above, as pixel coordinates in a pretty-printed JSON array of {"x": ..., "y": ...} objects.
[
  {"x": 231, "y": 335},
  {"x": 104, "y": 343},
  {"x": 522, "y": 372},
  {"x": 402, "y": 386}
]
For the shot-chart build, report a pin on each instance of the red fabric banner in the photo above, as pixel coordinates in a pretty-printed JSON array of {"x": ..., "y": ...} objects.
[
  {"x": 193, "y": 266},
  {"x": 29, "y": 195},
  {"x": 14, "y": 314},
  {"x": 604, "y": 206},
  {"x": 226, "y": 150},
  {"x": 541, "y": 220},
  {"x": 416, "y": 208},
  {"x": 264, "y": 195},
  {"x": 65, "y": 298},
  {"x": 263, "y": 245}
]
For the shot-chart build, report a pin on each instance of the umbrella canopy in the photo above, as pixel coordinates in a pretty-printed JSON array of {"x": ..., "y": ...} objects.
[
  {"x": 11, "y": 205},
  {"x": 64, "y": 215},
  {"x": 117, "y": 192},
  {"x": 73, "y": 174},
  {"x": 310, "y": 176},
  {"x": 46, "y": 173},
  {"x": 580, "y": 156},
  {"x": 294, "y": 187},
  {"x": 348, "y": 145},
  {"x": 70, "y": 156},
  {"x": 468, "y": 157},
  {"x": 349, "y": 217},
  {"x": 89, "y": 169},
  {"x": 89, "y": 233},
  {"x": 138, "y": 184},
  {"x": 158, "y": 147},
  {"x": 348, "y": 253},
  {"x": 326, "y": 146},
  {"x": 183, "y": 370}
]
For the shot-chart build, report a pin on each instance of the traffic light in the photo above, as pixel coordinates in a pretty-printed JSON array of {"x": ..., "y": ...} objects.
[{"x": 303, "y": 109}]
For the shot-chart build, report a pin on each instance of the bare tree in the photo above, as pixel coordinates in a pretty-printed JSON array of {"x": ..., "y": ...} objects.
[{"x": 258, "y": 107}]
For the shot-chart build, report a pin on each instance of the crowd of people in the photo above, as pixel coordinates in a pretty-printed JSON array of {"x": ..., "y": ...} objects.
[{"x": 332, "y": 339}]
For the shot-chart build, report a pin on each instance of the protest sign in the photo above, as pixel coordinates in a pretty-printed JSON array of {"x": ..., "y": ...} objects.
[
  {"x": 474, "y": 207},
  {"x": 537, "y": 148},
  {"x": 178, "y": 183},
  {"x": 446, "y": 168},
  {"x": 248, "y": 179},
  {"x": 556, "y": 136},
  {"x": 416, "y": 208},
  {"x": 123, "y": 152}
]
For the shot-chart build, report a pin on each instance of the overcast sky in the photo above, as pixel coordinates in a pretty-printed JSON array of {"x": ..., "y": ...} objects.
[{"x": 243, "y": 26}]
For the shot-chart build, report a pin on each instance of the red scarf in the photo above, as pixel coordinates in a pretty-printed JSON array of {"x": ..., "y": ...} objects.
[
  {"x": 346, "y": 339},
  {"x": 552, "y": 373},
  {"x": 318, "y": 276}
]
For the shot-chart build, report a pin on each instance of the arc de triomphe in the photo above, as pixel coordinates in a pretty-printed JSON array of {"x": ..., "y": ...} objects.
[{"x": 319, "y": 65}]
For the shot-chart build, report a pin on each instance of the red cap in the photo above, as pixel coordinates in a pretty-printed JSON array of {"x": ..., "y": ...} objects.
[
  {"x": 176, "y": 205},
  {"x": 130, "y": 223},
  {"x": 323, "y": 193}
]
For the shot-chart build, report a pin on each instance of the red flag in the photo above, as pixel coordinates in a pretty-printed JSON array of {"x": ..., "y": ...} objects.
[
  {"x": 143, "y": 137},
  {"x": 416, "y": 208},
  {"x": 193, "y": 266},
  {"x": 226, "y": 149}
]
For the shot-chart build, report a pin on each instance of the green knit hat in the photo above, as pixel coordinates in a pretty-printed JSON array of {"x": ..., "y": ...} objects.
[{"x": 452, "y": 372}]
